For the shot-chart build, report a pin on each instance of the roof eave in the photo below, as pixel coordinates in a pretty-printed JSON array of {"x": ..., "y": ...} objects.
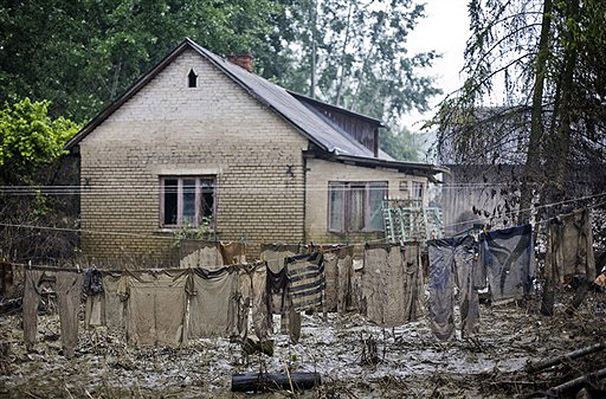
[{"x": 414, "y": 168}]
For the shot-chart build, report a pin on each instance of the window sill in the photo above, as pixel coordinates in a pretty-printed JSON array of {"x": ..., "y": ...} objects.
[{"x": 176, "y": 229}]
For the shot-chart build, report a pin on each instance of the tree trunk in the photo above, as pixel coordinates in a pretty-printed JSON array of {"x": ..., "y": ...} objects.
[
  {"x": 533, "y": 158},
  {"x": 314, "y": 49}
]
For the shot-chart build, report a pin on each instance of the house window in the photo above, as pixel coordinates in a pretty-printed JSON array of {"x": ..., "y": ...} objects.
[
  {"x": 187, "y": 200},
  {"x": 356, "y": 206},
  {"x": 192, "y": 79},
  {"x": 418, "y": 189}
]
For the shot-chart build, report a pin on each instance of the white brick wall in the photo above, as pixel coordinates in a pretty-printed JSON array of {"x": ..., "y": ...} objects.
[{"x": 168, "y": 128}]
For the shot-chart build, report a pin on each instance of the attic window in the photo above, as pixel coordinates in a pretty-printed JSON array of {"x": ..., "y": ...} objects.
[{"x": 192, "y": 79}]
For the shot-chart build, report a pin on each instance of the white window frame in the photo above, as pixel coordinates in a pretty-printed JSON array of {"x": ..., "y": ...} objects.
[
  {"x": 346, "y": 187},
  {"x": 197, "y": 200}
]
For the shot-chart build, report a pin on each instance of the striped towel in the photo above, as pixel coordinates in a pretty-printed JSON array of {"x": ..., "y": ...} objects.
[{"x": 305, "y": 280}]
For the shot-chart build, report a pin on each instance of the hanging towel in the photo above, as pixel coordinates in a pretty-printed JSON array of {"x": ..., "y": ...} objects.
[
  {"x": 213, "y": 307},
  {"x": 68, "y": 287},
  {"x": 156, "y": 307}
]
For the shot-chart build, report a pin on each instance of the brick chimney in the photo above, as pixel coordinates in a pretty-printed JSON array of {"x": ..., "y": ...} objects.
[{"x": 245, "y": 60}]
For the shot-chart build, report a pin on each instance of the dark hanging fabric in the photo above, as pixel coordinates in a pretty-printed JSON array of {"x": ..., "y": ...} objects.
[
  {"x": 93, "y": 288},
  {"x": 414, "y": 281},
  {"x": 277, "y": 285},
  {"x": 466, "y": 262},
  {"x": 508, "y": 258},
  {"x": 31, "y": 300},
  {"x": 441, "y": 287},
  {"x": 452, "y": 264},
  {"x": 93, "y": 281},
  {"x": 305, "y": 281},
  {"x": 68, "y": 300}
]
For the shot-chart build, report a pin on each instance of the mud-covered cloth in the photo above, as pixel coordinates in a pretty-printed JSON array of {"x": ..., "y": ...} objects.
[
  {"x": 305, "y": 281},
  {"x": 253, "y": 305},
  {"x": 208, "y": 257},
  {"x": 94, "y": 311},
  {"x": 453, "y": 263},
  {"x": 275, "y": 254},
  {"x": 233, "y": 253},
  {"x": 213, "y": 308},
  {"x": 508, "y": 258},
  {"x": 115, "y": 296},
  {"x": 466, "y": 262},
  {"x": 337, "y": 270},
  {"x": 69, "y": 287},
  {"x": 156, "y": 307},
  {"x": 413, "y": 282},
  {"x": 384, "y": 283},
  {"x": 358, "y": 301},
  {"x": 31, "y": 300},
  {"x": 570, "y": 247},
  {"x": 344, "y": 278},
  {"x": 331, "y": 277},
  {"x": 441, "y": 287}
]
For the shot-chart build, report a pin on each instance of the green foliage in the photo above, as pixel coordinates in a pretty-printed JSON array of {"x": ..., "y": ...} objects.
[
  {"x": 29, "y": 138},
  {"x": 83, "y": 54},
  {"x": 402, "y": 145},
  {"x": 362, "y": 60},
  {"x": 203, "y": 231}
]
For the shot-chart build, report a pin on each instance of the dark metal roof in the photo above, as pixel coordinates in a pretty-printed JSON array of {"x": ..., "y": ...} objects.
[
  {"x": 307, "y": 99},
  {"x": 319, "y": 130}
]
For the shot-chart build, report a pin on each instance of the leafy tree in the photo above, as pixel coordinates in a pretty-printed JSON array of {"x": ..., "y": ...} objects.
[
  {"x": 401, "y": 145},
  {"x": 31, "y": 149},
  {"x": 355, "y": 53},
  {"x": 30, "y": 139},
  {"x": 83, "y": 54},
  {"x": 550, "y": 125}
]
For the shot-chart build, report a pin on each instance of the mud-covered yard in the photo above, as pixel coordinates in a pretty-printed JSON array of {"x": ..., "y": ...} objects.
[{"x": 408, "y": 360}]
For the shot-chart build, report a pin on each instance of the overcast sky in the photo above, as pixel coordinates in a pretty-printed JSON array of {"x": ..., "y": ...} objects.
[{"x": 445, "y": 30}]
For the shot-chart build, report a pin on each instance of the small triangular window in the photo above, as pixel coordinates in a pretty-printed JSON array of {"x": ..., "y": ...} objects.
[{"x": 192, "y": 78}]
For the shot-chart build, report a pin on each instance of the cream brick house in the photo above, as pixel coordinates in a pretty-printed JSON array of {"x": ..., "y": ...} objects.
[{"x": 200, "y": 140}]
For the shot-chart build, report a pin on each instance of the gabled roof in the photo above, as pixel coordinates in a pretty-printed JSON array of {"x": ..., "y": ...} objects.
[{"x": 316, "y": 128}]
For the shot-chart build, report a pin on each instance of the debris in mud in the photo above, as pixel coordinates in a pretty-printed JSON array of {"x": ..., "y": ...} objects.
[{"x": 355, "y": 358}]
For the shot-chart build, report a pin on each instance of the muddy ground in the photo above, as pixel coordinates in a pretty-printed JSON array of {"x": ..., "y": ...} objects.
[{"x": 411, "y": 362}]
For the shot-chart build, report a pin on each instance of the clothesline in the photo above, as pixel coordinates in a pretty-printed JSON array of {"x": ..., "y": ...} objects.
[
  {"x": 78, "y": 269},
  {"x": 28, "y": 266},
  {"x": 159, "y": 237},
  {"x": 548, "y": 205}
]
